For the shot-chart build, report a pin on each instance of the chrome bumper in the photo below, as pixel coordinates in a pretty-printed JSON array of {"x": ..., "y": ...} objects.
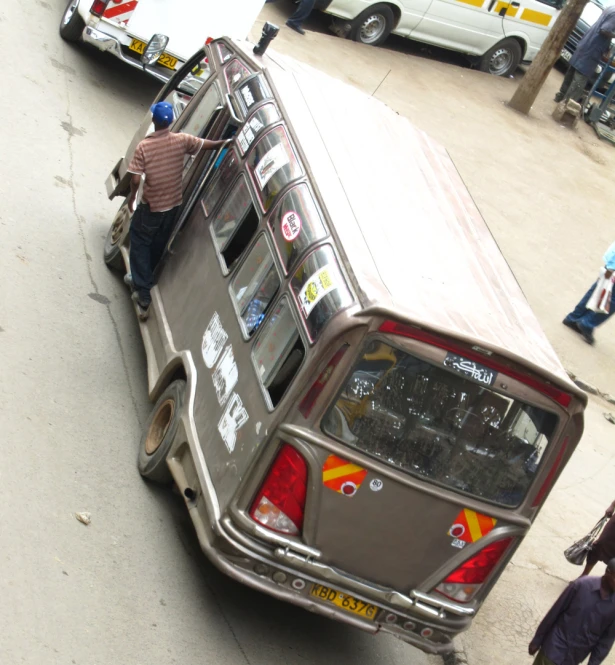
[{"x": 104, "y": 42}]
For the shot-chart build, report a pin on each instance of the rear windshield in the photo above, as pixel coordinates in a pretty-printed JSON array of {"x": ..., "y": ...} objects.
[{"x": 440, "y": 426}]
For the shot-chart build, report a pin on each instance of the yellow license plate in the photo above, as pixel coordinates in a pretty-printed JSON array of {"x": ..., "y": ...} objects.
[
  {"x": 344, "y": 601},
  {"x": 165, "y": 59}
]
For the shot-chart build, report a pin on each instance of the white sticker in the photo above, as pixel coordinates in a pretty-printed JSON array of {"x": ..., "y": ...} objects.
[
  {"x": 225, "y": 376},
  {"x": 270, "y": 164},
  {"x": 249, "y": 134},
  {"x": 291, "y": 226},
  {"x": 214, "y": 340},
  {"x": 376, "y": 485},
  {"x": 244, "y": 145},
  {"x": 236, "y": 77},
  {"x": 318, "y": 285},
  {"x": 247, "y": 95},
  {"x": 460, "y": 544},
  {"x": 233, "y": 419},
  {"x": 256, "y": 124}
]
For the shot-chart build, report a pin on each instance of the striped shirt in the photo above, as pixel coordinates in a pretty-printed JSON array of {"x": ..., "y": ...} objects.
[{"x": 160, "y": 158}]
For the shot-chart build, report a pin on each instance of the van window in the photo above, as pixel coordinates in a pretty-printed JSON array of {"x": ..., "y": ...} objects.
[
  {"x": 235, "y": 71},
  {"x": 440, "y": 426},
  {"x": 296, "y": 223},
  {"x": 264, "y": 116},
  {"x": 255, "y": 285},
  {"x": 278, "y": 351},
  {"x": 204, "y": 114},
  {"x": 320, "y": 289},
  {"x": 252, "y": 92},
  {"x": 224, "y": 52},
  {"x": 235, "y": 225},
  {"x": 196, "y": 77},
  {"x": 221, "y": 180},
  {"x": 273, "y": 165}
]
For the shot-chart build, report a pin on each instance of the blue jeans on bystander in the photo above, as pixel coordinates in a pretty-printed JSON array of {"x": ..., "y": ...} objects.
[
  {"x": 584, "y": 318},
  {"x": 303, "y": 11}
]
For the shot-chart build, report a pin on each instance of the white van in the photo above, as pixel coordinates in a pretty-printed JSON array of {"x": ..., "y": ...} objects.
[
  {"x": 498, "y": 33},
  {"x": 175, "y": 29}
]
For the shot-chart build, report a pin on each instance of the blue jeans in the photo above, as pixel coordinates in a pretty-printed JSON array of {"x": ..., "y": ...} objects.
[
  {"x": 149, "y": 234},
  {"x": 587, "y": 319},
  {"x": 303, "y": 11}
]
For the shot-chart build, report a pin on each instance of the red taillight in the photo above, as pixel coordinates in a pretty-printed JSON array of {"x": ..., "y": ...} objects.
[
  {"x": 416, "y": 333},
  {"x": 280, "y": 502},
  {"x": 307, "y": 403},
  {"x": 463, "y": 583},
  {"x": 98, "y": 7},
  {"x": 544, "y": 488}
]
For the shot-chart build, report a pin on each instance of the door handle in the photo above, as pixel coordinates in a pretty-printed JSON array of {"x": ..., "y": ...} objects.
[{"x": 231, "y": 109}]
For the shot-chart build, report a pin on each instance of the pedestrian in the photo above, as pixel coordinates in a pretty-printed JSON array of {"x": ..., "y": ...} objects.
[
  {"x": 595, "y": 42},
  {"x": 159, "y": 158},
  {"x": 603, "y": 548},
  {"x": 580, "y": 624},
  {"x": 583, "y": 320},
  {"x": 301, "y": 13}
]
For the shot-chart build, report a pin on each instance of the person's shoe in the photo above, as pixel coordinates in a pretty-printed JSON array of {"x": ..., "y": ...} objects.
[
  {"x": 571, "y": 324},
  {"x": 586, "y": 334},
  {"x": 296, "y": 28},
  {"x": 558, "y": 97},
  {"x": 142, "y": 308},
  {"x": 128, "y": 281}
]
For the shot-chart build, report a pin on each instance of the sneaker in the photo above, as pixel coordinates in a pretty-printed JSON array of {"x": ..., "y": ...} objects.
[
  {"x": 142, "y": 308},
  {"x": 587, "y": 334},
  {"x": 296, "y": 28},
  {"x": 558, "y": 97},
  {"x": 128, "y": 281}
]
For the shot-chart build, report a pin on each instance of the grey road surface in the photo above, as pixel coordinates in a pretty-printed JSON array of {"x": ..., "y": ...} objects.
[{"x": 131, "y": 588}]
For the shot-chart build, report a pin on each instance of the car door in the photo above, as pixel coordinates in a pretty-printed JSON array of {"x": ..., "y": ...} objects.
[
  {"x": 531, "y": 20},
  {"x": 469, "y": 26}
]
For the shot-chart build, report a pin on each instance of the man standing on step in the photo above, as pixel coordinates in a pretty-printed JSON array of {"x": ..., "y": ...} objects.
[{"x": 160, "y": 159}]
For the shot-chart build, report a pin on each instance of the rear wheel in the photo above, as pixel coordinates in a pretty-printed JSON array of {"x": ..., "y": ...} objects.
[
  {"x": 159, "y": 434},
  {"x": 71, "y": 25},
  {"x": 116, "y": 236},
  {"x": 373, "y": 25},
  {"x": 501, "y": 59}
]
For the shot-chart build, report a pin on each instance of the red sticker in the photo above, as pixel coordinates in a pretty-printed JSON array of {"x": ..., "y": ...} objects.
[{"x": 291, "y": 226}]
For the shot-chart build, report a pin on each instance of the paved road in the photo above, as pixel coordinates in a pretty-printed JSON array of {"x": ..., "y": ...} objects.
[{"x": 132, "y": 587}]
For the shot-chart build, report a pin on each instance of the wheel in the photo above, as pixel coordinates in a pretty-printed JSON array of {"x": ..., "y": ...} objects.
[
  {"x": 160, "y": 430},
  {"x": 501, "y": 59},
  {"x": 373, "y": 25},
  {"x": 115, "y": 238},
  {"x": 71, "y": 25}
]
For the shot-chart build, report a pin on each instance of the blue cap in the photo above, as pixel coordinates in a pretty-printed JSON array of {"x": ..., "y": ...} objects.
[{"x": 162, "y": 113}]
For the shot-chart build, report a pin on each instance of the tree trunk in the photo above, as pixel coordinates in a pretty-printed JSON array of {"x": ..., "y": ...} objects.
[{"x": 536, "y": 75}]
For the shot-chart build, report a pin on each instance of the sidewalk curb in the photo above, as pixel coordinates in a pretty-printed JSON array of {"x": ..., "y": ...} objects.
[
  {"x": 458, "y": 656},
  {"x": 589, "y": 388}
]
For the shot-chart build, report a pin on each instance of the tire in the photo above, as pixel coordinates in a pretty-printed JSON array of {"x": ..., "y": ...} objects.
[
  {"x": 116, "y": 236},
  {"x": 501, "y": 59},
  {"x": 373, "y": 25},
  {"x": 71, "y": 24},
  {"x": 159, "y": 434}
]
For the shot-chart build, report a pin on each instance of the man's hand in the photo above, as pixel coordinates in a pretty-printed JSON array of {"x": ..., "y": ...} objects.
[
  {"x": 131, "y": 203},
  {"x": 533, "y": 649}
]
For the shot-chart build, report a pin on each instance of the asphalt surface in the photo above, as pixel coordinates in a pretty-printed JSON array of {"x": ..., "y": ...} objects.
[{"x": 132, "y": 587}]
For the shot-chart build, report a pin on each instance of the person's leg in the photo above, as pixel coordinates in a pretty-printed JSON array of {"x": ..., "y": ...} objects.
[
  {"x": 541, "y": 659},
  {"x": 161, "y": 238},
  {"x": 143, "y": 228},
  {"x": 580, "y": 310},
  {"x": 303, "y": 11},
  {"x": 568, "y": 76},
  {"x": 576, "y": 89},
  {"x": 591, "y": 320}
]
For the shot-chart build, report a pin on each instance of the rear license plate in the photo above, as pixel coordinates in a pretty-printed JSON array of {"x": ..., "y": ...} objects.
[
  {"x": 566, "y": 55},
  {"x": 344, "y": 601},
  {"x": 165, "y": 59}
]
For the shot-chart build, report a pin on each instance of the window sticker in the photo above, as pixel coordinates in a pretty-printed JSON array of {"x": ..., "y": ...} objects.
[
  {"x": 214, "y": 340},
  {"x": 271, "y": 163},
  {"x": 471, "y": 369},
  {"x": 256, "y": 124},
  {"x": 247, "y": 95},
  {"x": 225, "y": 375},
  {"x": 233, "y": 419},
  {"x": 318, "y": 285},
  {"x": 290, "y": 226}
]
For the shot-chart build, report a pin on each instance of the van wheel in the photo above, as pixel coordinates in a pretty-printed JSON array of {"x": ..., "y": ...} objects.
[
  {"x": 160, "y": 430},
  {"x": 115, "y": 238},
  {"x": 373, "y": 25},
  {"x": 502, "y": 59},
  {"x": 71, "y": 24}
]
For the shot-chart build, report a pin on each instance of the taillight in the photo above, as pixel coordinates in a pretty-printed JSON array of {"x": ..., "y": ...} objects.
[
  {"x": 98, "y": 7},
  {"x": 307, "y": 403},
  {"x": 280, "y": 502},
  {"x": 395, "y": 328},
  {"x": 463, "y": 583}
]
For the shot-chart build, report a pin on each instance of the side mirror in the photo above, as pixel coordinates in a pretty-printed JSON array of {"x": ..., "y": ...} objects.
[{"x": 154, "y": 49}]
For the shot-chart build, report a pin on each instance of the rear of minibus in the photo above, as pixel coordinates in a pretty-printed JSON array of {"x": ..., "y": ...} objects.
[{"x": 412, "y": 470}]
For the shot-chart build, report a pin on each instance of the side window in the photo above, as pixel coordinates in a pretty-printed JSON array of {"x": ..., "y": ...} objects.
[
  {"x": 266, "y": 115},
  {"x": 557, "y": 4},
  {"x": 273, "y": 165},
  {"x": 254, "y": 286},
  {"x": 278, "y": 351},
  {"x": 204, "y": 113},
  {"x": 320, "y": 289},
  {"x": 235, "y": 72},
  {"x": 296, "y": 223},
  {"x": 221, "y": 180},
  {"x": 196, "y": 77},
  {"x": 224, "y": 52},
  {"x": 234, "y": 225}
]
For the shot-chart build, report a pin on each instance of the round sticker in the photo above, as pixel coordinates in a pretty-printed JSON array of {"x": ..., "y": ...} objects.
[
  {"x": 349, "y": 488},
  {"x": 457, "y": 530},
  {"x": 376, "y": 485},
  {"x": 291, "y": 226}
]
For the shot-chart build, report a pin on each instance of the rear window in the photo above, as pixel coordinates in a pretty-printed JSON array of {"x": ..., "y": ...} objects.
[{"x": 440, "y": 426}]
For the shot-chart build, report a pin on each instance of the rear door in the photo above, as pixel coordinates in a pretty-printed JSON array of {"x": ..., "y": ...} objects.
[{"x": 436, "y": 456}]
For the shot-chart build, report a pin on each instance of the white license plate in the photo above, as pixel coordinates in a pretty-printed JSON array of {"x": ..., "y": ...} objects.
[{"x": 566, "y": 55}]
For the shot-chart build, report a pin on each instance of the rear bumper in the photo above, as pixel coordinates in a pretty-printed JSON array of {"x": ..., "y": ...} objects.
[{"x": 105, "y": 42}]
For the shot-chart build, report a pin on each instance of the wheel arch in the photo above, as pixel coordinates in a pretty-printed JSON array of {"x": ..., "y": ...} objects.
[
  {"x": 173, "y": 371},
  {"x": 520, "y": 37}
]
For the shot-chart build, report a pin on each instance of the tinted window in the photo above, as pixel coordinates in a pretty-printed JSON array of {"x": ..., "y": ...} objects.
[
  {"x": 235, "y": 224},
  {"x": 266, "y": 115},
  {"x": 254, "y": 286},
  {"x": 202, "y": 115},
  {"x": 273, "y": 165},
  {"x": 440, "y": 426},
  {"x": 222, "y": 179},
  {"x": 320, "y": 289},
  {"x": 296, "y": 223},
  {"x": 278, "y": 351},
  {"x": 235, "y": 72},
  {"x": 193, "y": 81}
]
